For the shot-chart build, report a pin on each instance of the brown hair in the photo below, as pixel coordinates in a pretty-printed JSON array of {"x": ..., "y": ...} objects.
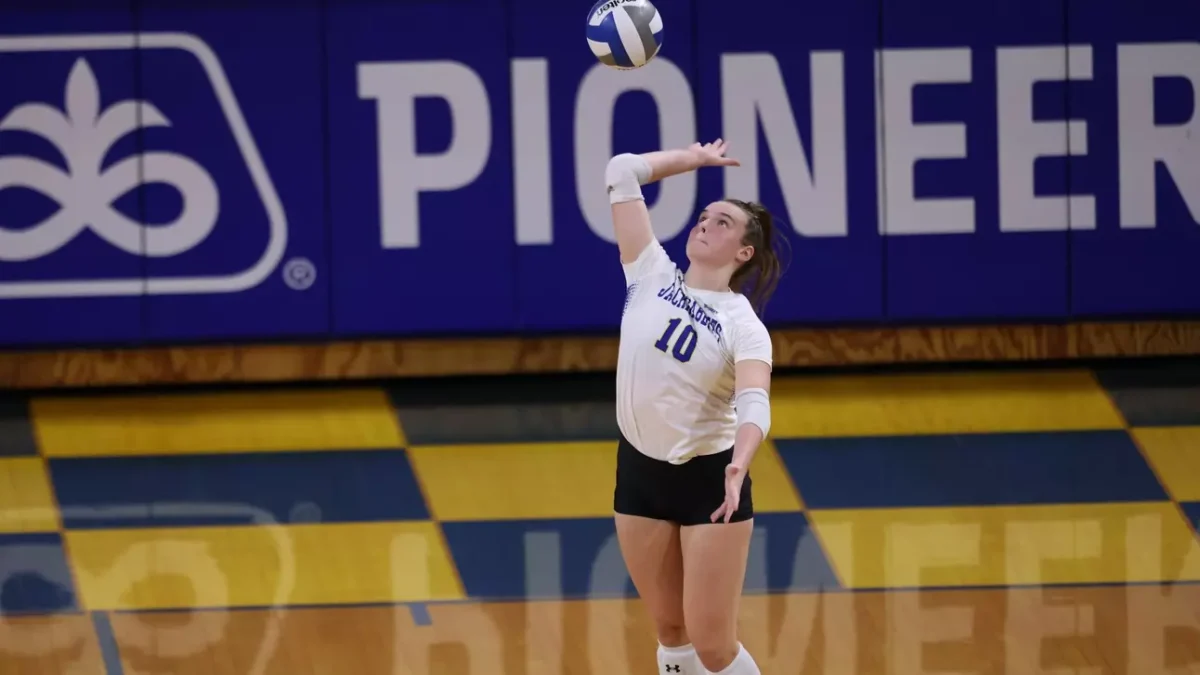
[{"x": 758, "y": 277}]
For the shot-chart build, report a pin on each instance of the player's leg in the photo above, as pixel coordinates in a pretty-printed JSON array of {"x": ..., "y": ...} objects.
[
  {"x": 652, "y": 556},
  {"x": 714, "y": 564},
  {"x": 649, "y": 539}
]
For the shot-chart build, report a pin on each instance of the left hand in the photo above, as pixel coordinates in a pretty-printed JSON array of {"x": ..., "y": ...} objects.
[
  {"x": 734, "y": 476},
  {"x": 713, "y": 154}
]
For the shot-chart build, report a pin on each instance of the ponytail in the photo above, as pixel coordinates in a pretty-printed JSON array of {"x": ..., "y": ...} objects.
[{"x": 758, "y": 277}]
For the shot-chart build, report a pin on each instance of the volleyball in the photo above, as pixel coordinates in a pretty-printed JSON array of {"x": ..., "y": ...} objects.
[{"x": 624, "y": 34}]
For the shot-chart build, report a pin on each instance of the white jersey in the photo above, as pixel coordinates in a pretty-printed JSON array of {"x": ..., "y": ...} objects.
[{"x": 675, "y": 367}]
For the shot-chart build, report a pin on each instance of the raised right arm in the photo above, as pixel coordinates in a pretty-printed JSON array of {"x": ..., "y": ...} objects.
[{"x": 625, "y": 175}]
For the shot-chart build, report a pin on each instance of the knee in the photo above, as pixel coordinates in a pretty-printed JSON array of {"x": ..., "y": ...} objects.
[
  {"x": 714, "y": 635},
  {"x": 671, "y": 633},
  {"x": 715, "y": 655}
]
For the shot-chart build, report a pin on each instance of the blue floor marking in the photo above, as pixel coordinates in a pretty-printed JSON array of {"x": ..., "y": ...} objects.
[
  {"x": 420, "y": 614},
  {"x": 107, "y": 640}
]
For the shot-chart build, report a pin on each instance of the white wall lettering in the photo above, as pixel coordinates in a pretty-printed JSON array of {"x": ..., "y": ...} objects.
[
  {"x": 1021, "y": 140},
  {"x": 752, "y": 91},
  {"x": 813, "y": 177},
  {"x": 1143, "y": 143},
  {"x": 531, "y": 152},
  {"x": 403, "y": 174},
  {"x": 598, "y": 94},
  {"x": 904, "y": 143}
]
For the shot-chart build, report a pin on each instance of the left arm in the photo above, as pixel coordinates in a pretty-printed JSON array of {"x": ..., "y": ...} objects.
[{"x": 752, "y": 386}]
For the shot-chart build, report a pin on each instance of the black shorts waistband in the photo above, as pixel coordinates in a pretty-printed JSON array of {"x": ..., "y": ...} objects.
[
  {"x": 696, "y": 462},
  {"x": 685, "y": 494}
]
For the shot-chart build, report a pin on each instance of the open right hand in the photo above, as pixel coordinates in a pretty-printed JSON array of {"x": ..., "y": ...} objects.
[{"x": 713, "y": 154}]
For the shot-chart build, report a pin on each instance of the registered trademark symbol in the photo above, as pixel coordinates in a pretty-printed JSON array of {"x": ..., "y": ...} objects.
[{"x": 299, "y": 274}]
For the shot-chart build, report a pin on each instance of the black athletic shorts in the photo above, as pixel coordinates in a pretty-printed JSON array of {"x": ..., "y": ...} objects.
[{"x": 684, "y": 494}]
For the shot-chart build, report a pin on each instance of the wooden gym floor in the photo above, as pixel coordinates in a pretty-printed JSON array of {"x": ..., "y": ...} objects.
[{"x": 989, "y": 522}]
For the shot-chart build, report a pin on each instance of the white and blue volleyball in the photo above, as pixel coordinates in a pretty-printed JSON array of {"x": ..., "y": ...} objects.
[{"x": 625, "y": 34}]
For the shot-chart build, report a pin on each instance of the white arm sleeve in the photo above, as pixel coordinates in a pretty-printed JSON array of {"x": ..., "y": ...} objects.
[
  {"x": 624, "y": 176},
  {"x": 752, "y": 342},
  {"x": 754, "y": 407}
]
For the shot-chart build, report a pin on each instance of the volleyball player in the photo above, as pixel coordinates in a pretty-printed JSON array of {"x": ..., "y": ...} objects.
[{"x": 693, "y": 376}]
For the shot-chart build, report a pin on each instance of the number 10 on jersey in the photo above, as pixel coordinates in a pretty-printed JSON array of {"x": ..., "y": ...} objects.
[{"x": 684, "y": 344}]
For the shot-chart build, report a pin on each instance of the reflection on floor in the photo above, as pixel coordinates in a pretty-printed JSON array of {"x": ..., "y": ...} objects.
[{"x": 990, "y": 522}]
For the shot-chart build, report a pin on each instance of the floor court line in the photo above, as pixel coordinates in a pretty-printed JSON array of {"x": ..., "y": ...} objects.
[
  {"x": 420, "y": 614},
  {"x": 110, "y": 650}
]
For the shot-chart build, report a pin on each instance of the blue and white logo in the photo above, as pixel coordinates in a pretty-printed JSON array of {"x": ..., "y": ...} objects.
[{"x": 83, "y": 126}]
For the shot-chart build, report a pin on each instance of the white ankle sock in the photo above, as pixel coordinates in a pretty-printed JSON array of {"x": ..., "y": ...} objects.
[
  {"x": 678, "y": 661},
  {"x": 743, "y": 664}
]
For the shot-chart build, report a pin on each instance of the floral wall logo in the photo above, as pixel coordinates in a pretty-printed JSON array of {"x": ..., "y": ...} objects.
[
  {"x": 87, "y": 183},
  {"x": 84, "y": 134}
]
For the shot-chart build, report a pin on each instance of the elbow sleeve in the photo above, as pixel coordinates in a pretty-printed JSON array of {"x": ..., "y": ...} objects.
[
  {"x": 754, "y": 407},
  {"x": 624, "y": 177}
]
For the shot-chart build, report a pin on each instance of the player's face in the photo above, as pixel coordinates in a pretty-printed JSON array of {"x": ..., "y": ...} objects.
[{"x": 716, "y": 238}]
